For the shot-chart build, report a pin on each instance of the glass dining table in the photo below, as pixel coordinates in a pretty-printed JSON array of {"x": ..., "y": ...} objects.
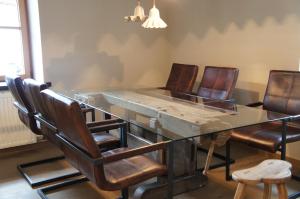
[{"x": 179, "y": 118}]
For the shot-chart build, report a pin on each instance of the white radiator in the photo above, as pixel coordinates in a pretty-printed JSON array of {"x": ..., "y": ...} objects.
[{"x": 12, "y": 131}]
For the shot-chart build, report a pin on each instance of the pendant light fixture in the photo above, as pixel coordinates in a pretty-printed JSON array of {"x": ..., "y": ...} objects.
[
  {"x": 139, "y": 14},
  {"x": 154, "y": 20}
]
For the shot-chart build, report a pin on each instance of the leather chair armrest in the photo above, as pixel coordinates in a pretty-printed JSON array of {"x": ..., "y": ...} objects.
[
  {"x": 135, "y": 152},
  {"x": 104, "y": 122},
  {"x": 45, "y": 122},
  {"x": 232, "y": 100},
  {"x": 255, "y": 104},
  {"x": 114, "y": 157},
  {"x": 96, "y": 161},
  {"x": 86, "y": 110},
  {"x": 20, "y": 108},
  {"x": 107, "y": 127},
  {"x": 295, "y": 118}
]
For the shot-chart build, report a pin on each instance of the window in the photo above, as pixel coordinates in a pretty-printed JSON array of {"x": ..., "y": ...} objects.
[{"x": 14, "y": 45}]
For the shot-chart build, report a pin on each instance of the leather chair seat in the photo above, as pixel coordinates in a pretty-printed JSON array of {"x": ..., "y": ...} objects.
[
  {"x": 267, "y": 136},
  {"x": 104, "y": 139},
  {"x": 132, "y": 170}
]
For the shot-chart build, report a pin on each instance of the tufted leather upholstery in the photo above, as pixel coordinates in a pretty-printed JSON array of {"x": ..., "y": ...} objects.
[
  {"x": 25, "y": 109},
  {"x": 112, "y": 172},
  {"x": 218, "y": 82},
  {"x": 182, "y": 77},
  {"x": 282, "y": 93},
  {"x": 283, "y": 96}
]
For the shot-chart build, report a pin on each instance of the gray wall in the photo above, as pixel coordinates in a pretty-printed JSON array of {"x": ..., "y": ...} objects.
[{"x": 87, "y": 44}]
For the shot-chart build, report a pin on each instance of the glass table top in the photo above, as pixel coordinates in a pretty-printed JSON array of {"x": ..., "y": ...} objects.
[{"x": 173, "y": 115}]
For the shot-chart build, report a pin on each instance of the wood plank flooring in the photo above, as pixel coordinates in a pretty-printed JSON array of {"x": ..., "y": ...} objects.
[{"x": 13, "y": 186}]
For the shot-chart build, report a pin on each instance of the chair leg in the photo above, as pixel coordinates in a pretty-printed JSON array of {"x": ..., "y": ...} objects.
[
  {"x": 93, "y": 115},
  {"x": 209, "y": 157},
  {"x": 282, "y": 191},
  {"x": 107, "y": 117},
  {"x": 283, "y": 142},
  {"x": 267, "y": 191},
  {"x": 240, "y": 191},
  {"x": 125, "y": 194},
  {"x": 228, "y": 175}
]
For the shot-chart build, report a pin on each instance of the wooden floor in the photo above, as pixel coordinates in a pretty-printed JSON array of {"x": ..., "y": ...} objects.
[{"x": 13, "y": 186}]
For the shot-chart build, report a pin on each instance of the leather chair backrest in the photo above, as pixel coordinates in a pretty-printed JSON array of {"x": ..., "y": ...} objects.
[
  {"x": 218, "y": 82},
  {"x": 182, "y": 77},
  {"x": 32, "y": 90},
  {"x": 15, "y": 85},
  {"x": 69, "y": 119},
  {"x": 283, "y": 94},
  {"x": 25, "y": 110}
]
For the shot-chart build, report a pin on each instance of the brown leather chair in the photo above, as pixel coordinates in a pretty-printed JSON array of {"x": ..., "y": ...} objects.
[
  {"x": 26, "y": 114},
  {"x": 32, "y": 90},
  {"x": 28, "y": 102},
  {"x": 112, "y": 170},
  {"x": 25, "y": 110},
  {"x": 182, "y": 78},
  {"x": 283, "y": 96},
  {"x": 218, "y": 82}
]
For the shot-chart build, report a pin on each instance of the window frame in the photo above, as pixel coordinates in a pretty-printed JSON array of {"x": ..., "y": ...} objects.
[{"x": 24, "y": 28}]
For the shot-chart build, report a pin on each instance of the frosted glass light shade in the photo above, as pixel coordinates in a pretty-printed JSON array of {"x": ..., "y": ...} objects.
[
  {"x": 139, "y": 14},
  {"x": 154, "y": 20}
]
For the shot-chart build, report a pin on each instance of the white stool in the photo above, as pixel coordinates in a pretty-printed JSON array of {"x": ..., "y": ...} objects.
[{"x": 269, "y": 172}]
